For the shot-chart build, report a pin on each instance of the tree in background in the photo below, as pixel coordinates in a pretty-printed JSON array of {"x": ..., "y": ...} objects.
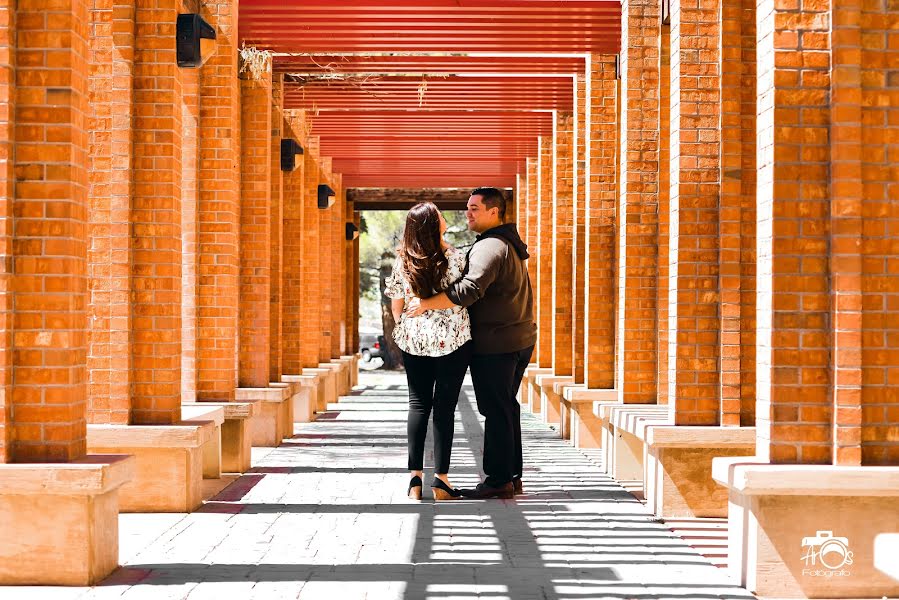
[{"x": 381, "y": 233}]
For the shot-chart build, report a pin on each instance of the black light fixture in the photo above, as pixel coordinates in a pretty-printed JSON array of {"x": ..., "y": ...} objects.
[
  {"x": 326, "y": 196},
  {"x": 352, "y": 232},
  {"x": 194, "y": 40},
  {"x": 289, "y": 150},
  {"x": 666, "y": 12}
]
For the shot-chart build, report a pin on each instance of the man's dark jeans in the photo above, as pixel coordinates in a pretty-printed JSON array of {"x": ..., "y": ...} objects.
[{"x": 496, "y": 378}]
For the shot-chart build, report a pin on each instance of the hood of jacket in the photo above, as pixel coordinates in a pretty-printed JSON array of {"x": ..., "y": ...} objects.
[{"x": 508, "y": 232}]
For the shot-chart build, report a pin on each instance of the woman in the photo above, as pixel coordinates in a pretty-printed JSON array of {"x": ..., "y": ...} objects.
[{"x": 436, "y": 346}]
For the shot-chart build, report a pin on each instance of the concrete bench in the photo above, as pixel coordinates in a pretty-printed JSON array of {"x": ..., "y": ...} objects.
[
  {"x": 550, "y": 402},
  {"x": 236, "y": 436},
  {"x": 622, "y": 456},
  {"x": 305, "y": 395},
  {"x": 168, "y": 467},
  {"x": 583, "y": 428},
  {"x": 327, "y": 386},
  {"x": 779, "y": 514},
  {"x": 531, "y": 389},
  {"x": 274, "y": 420},
  {"x": 677, "y": 479},
  {"x": 212, "y": 450}
]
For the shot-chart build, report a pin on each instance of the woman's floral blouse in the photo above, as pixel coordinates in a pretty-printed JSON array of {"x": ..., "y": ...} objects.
[{"x": 436, "y": 332}]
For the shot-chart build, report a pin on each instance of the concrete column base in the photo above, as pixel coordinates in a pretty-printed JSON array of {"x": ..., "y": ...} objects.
[
  {"x": 327, "y": 386},
  {"x": 622, "y": 453},
  {"x": 353, "y": 363},
  {"x": 237, "y": 442},
  {"x": 791, "y": 527},
  {"x": 550, "y": 401},
  {"x": 274, "y": 421},
  {"x": 335, "y": 369},
  {"x": 168, "y": 467},
  {"x": 212, "y": 450},
  {"x": 559, "y": 389},
  {"x": 305, "y": 396},
  {"x": 355, "y": 372},
  {"x": 345, "y": 384},
  {"x": 585, "y": 428},
  {"x": 533, "y": 389},
  {"x": 677, "y": 479},
  {"x": 60, "y": 521}
]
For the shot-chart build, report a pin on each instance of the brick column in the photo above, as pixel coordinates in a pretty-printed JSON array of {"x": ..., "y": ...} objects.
[
  {"x": 602, "y": 192},
  {"x": 7, "y": 202},
  {"x": 324, "y": 254},
  {"x": 736, "y": 233},
  {"x": 310, "y": 306},
  {"x": 638, "y": 230},
  {"x": 49, "y": 235},
  {"x": 578, "y": 243},
  {"x": 293, "y": 240},
  {"x": 218, "y": 215},
  {"x": 190, "y": 160},
  {"x": 276, "y": 218},
  {"x": 340, "y": 339},
  {"x": 110, "y": 164},
  {"x": 794, "y": 410},
  {"x": 356, "y": 285},
  {"x": 350, "y": 277},
  {"x": 155, "y": 218},
  {"x": 544, "y": 248},
  {"x": 562, "y": 237},
  {"x": 693, "y": 351},
  {"x": 852, "y": 171},
  {"x": 531, "y": 237},
  {"x": 664, "y": 214},
  {"x": 255, "y": 230}
]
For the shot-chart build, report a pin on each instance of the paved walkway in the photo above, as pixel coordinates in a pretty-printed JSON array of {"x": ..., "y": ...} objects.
[{"x": 325, "y": 516}]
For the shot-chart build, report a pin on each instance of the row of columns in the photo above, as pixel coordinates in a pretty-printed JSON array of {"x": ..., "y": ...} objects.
[{"x": 713, "y": 276}]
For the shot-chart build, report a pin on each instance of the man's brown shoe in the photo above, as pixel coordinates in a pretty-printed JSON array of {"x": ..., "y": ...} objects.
[
  {"x": 484, "y": 491},
  {"x": 517, "y": 486}
]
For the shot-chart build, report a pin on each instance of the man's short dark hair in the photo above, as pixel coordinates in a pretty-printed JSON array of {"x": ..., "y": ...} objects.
[{"x": 492, "y": 198}]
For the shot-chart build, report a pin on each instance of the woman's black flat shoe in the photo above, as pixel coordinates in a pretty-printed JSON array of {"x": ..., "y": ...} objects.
[
  {"x": 443, "y": 491},
  {"x": 415, "y": 485}
]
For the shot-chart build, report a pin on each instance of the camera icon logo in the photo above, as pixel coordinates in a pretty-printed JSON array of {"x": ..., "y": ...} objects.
[{"x": 826, "y": 550}]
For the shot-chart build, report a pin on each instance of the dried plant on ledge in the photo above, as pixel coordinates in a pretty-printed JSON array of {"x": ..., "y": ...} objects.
[{"x": 254, "y": 64}]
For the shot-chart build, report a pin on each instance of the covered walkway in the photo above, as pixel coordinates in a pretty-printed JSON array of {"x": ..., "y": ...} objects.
[{"x": 325, "y": 516}]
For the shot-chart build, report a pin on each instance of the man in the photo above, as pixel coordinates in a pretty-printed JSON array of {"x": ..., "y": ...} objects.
[{"x": 496, "y": 289}]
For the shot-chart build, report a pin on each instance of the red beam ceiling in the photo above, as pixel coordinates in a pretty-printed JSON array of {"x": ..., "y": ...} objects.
[{"x": 478, "y": 115}]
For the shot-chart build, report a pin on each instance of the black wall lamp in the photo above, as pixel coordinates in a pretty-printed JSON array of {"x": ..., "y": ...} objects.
[
  {"x": 289, "y": 150},
  {"x": 352, "y": 232},
  {"x": 326, "y": 196},
  {"x": 194, "y": 40}
]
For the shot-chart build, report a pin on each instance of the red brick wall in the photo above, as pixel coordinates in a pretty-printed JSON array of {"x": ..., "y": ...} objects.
[
  {"x": 638, "y": 231},
  {"x": 7, "y": 198},
  {"x": 156, "y": 219},
  {"x": 794, "y": 410},
  {"x": 602, "y": 196},
  {"x": 49, "y": 246},
  {"x": 292, "y": 289},
  {"x": 218, "y": 215},
  {"x": 543, "y": 297},
  {"x": 255, "y": 230},
  {"x": 109, "y": 167},
  {"x": 562, "y": 238},
  {"x": 693, "y": 302},
  {"x": 276, "y": 217}
]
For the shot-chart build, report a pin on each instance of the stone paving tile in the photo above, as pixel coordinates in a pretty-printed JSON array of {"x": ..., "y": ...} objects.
[{"x": 325, "y": 516}]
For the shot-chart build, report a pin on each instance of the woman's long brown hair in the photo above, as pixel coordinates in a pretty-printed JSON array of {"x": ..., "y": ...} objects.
[{"x": 423, "y": 259}]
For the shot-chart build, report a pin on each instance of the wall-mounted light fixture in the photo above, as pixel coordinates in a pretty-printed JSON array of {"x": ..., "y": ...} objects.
[
  {"x": 194, "y": 40},
  {"x": 352, "y": 232},
  {"x": 326, "y": 196},
  {"x": 289, "y": 150},
  {"x": 666, "y": 12}
]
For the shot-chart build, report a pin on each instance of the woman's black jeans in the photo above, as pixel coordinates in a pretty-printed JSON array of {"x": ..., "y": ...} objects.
[{"x": 434, "y": 384}]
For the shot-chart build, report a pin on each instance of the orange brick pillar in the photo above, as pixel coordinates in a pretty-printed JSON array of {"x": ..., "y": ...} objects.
[
  {"x": 190, "y": 160},
  {"x": 110, "y": 164},
  {"x": 254, "y": 339},
  {"x": 338, "y": 346},
  {"x": 578, "y": 264},
  {"x": 155, "y": 221},
  {"x": 693, "y": 346},
  {"x": 736, "y": 233},
  {"x": 602, "y": 194},
  {"x": 795, "y": 407},
  {"x": 293, "y": 240},
  {"x": 356, "y": 285},
  {"x": 562, "y": 238},
  {"x": 638, "y": 217},
  {"x": 664, "y": 215},
  {"x": 311, "y": 300},
  {"x": 46, "y": 100},
  {"x": 218, "y": 214},
  {"x": 325, "y": 256},
  {"x": 350, "y": 276},
  {"x": 7, "y": 200},
  {"x": 276, "y": 217},
  {"x": 544, "y": 248},
  {"x": 531, "y": 237}
]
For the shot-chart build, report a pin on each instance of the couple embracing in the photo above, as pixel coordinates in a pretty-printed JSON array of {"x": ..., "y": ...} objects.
[{"x": 454, "y": 312}]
